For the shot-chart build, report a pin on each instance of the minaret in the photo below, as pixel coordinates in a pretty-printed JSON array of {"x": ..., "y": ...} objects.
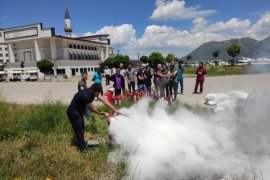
[{"x": 68, "y": 28}]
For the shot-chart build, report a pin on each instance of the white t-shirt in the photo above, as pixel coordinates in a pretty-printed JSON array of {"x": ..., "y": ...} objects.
[{"x": 107, "y": 72}]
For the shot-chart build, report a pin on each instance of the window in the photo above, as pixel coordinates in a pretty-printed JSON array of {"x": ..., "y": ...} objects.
[
  {"x": 88, "y": 69},
  {"x": 74, "y": 56},
  {"x": 82, "y": 47},
  {"x": 81, "y": 70},
  {"x": 74, "y": 46},
  {"x": 78, "y": 46},
  {"x": 61, "y": 71},
  {"x": 89, "y": 48},
  {"x": 70, "y": 56},
  {"x": 91, "y": 69},
  {"x": 77, "y": 69},
  {"x": 70, "y": 45},
  {"x": 0, "y": 34},
  {"x": 79, "y": 57},
  {"x": 85, "y": 47}
]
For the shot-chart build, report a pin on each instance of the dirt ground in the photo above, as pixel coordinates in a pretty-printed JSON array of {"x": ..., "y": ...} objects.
[{"x": 38, "y": 92}]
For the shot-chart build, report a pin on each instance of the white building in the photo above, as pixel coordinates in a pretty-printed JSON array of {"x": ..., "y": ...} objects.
[
  {"x": 71, "y": 56},
  {"x": 3, "y": 52}
]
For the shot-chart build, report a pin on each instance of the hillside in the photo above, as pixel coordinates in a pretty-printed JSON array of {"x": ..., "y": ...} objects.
[{"x": 250, "y": 48}]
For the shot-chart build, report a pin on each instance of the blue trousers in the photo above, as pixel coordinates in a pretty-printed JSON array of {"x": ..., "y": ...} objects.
[{"x": 181, "y": 82}]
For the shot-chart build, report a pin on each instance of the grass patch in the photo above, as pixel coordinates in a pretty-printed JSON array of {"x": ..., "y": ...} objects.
[
  {"x": 35, "y": 144},
  {"x": 232, "y": 70}
]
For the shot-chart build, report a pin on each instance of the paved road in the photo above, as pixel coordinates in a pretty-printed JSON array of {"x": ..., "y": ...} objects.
[{"x": 37, "y": 92}]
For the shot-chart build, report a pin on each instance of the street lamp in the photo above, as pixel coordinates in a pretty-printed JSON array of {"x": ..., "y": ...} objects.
[{"x": 138, "y": 54}]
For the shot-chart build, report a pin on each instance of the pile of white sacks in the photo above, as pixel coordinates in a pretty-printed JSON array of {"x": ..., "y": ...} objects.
[{"x": 225, "y": 101}]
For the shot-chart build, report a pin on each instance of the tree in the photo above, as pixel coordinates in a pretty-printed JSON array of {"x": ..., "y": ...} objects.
[
  {"x": 233, "y": 51},
  {"x": 215, "y": 54},
  {"x": 170, "y": 57},
  {"x": 116, "y": 60},
  {"x": 144, "y": 59},
  {"x": 121, "y": 59},
  {"x": 156, "y": 58},
  {"x": 45, "y": 66},
  {"x": 189, "y": 57},
  {"x": 109, "y": 62}
]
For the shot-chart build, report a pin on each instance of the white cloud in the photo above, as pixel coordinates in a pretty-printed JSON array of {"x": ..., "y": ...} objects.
[
  {"x": 199, "y": 24},
  {"x": 234, "y": 25},
  {"x": 175, "y": 9},
  {"x": 120, "y": 35},
  {"x": 261, "y": 28},
  {"x": 167, "y": 39}
]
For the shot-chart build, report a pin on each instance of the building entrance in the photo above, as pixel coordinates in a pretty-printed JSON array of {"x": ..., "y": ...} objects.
[{"x": 27, "y": 56}]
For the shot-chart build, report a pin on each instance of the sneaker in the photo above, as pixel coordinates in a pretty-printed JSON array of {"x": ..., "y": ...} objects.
[{"x": 92, "y": 143}]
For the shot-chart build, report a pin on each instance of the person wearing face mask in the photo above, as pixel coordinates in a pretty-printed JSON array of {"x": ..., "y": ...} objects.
[{"x": 130, "y": 77}]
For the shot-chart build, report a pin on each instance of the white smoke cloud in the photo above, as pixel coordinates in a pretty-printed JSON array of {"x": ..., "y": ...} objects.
[
  {"x": 186, "y": 144},
  {"x": 176, "y": 9}
]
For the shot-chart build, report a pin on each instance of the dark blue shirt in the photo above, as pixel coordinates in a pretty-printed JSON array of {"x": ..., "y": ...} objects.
[{"x": 81, "y": 99}]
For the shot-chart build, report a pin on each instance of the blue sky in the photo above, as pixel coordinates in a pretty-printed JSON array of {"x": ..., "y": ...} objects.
[{"x": 145, "y": 26}]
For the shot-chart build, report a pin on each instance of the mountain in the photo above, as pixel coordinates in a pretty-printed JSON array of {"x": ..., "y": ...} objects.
[{"x": 250, "y": 48}]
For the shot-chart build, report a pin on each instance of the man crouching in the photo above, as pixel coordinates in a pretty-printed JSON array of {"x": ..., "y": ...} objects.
[{"x": 75, "y": 111}]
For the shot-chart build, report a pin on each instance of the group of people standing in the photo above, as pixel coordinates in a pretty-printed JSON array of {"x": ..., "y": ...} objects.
[{"x": 166, "y": 79}]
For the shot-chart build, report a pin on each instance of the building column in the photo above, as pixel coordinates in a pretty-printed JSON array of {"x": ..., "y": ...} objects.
[
  {"x": 11, "y": 54},
  {"x": 53, "y": 49},
  {"x": 37, "y": 51},
  {"x": 106, "y": 52}
]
